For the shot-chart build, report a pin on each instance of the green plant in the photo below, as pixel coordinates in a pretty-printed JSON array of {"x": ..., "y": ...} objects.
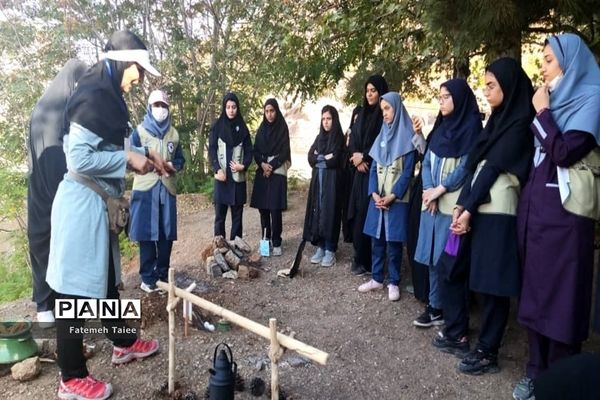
[{"x": 15, "y": 270}]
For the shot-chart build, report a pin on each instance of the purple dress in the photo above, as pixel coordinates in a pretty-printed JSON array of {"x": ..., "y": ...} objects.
[{"x": 557, "y": 247}]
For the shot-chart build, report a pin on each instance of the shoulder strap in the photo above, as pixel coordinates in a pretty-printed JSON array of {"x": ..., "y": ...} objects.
[{"x": 89, "y": 182}]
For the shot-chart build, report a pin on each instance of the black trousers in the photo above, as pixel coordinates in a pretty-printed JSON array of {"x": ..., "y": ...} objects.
[
  {"x": 494, "y": 317},
  {"x": 39, "y": 249},
  {"x": 455, "y": 305},
  {"x": 236, "y": 220},
  {"x": 69, "y": 348},
  {"x": 271, "y": 225}
]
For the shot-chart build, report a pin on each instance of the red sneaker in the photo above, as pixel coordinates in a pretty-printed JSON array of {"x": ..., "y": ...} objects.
[
  {"x": 138, "y": 350},
  {"x": 87, "y": 388}
]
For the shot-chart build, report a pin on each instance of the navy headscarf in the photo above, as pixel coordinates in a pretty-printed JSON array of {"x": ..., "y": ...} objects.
[
  {"x": 231, "y": 131},
  {"x": 575, "y": 103},
  {"x": 155, "y": 128},
  {"x": 98, "y": 104},
  {"x": 506, "y": 141},
  {"x": 273, "y": 138},
  {"x": 395, "y": 139},
  {"x": 453, "y": 136}
]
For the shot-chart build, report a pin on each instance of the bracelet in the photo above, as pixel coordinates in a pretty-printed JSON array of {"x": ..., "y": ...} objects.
[{"x": 146, "y": 151}]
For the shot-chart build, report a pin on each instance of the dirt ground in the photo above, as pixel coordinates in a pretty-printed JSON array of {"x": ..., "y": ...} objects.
[{"x": 374, "y": 351}]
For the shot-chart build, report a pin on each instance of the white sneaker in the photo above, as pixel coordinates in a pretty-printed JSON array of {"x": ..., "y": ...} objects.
[
  {"x": 329, "y": 259},
  {"x": 149, "y": 288},
  {"x": 318, "y": 256},
  {"x": 277, "y": 251},
  {"x": 45, "y": 319},
  {"x": 371, "y": 285},
  {"x": 393, "y": 292}
]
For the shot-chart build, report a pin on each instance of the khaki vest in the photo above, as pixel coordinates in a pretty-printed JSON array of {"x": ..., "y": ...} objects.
[
  {"x": 584, "y": 185},
  {"x": 237, "y": 156},
  {"x": 283, "y": 169},
  {"x": 388, "y": 175},
  {"x": 166, "y": 148},
  {"x": 447, "y": 201},
  {"x": 504, "y": 193}
]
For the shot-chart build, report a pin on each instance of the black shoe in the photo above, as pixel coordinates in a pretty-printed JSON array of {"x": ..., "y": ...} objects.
[
  {"x": 357, "y": 269},
  {"x": 459, "y": 348},
  {"x": 430, "y": 317},
  {"x": 479, "y": 362}
]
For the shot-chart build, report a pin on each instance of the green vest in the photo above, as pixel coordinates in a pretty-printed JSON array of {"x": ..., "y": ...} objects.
[
  {"x": 504, "y": 194},
  {"x": 447, "y": 201},
  {"x": 166, "y": 148},
  {"x": 388, "y": 175},
  {"x": 237, "y": 156},
  {"x": 584, "y": 185}
]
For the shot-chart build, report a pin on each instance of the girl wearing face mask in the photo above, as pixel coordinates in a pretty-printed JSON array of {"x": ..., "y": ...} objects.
[
  {"x": 273, "y": 158},
  {"x": 556, "y": 240},
  {"x": 486, "y": 209},
  {"x": 230, "y": 153},
  {"x": 323, "y": 206},
  {"x": 153, "y": 199},
  {"x": 390, "y": 173},
  {"x": 443, "y": 173}
]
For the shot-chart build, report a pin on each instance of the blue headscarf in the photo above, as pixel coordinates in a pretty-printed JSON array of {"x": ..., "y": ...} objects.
[
  {"x": 575, "y": 103},
  {"x": 394, "y": 140},
  {"x": 157, "y": 129},
  {"x": 454, "y": 135}
]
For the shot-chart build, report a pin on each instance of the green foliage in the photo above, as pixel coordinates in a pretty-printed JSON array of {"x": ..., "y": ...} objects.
[{"x": 15, "y": 272}]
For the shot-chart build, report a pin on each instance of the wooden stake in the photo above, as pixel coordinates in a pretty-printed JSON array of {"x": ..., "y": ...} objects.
[
  {"x": 274, "y": 355},
  {"x": 171, "y": 330},
  {"x": 261, "y": 330}
]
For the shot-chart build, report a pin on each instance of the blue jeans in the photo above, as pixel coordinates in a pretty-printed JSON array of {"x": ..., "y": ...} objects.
[
  {"x": 328, "y": 245},
  {"x": 435, "y": 297},
  {"x": 393, "y": 250},
  {"x": 154, "y": 260}
]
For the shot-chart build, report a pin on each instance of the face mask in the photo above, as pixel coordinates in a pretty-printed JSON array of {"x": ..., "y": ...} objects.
[
  {"x": 554, "y": 82},
  {"x": 160, "y": 114}
]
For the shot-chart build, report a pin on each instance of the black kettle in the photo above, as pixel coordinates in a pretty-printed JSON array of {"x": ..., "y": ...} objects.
[{"x": 221, "y": 383}]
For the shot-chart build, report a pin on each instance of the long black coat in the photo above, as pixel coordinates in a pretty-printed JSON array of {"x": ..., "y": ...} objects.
[{"x": 323, "y": 207}]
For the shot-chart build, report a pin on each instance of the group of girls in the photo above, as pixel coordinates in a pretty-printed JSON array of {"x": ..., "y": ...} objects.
[
  {"x": 506, "y": 211},
  {"x": 231, "y": 152}
]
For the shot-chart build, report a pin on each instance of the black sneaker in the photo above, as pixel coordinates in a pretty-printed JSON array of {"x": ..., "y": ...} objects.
[
  {"x": 357, "y": 269},
  {"x": 459, "y": 348},
  {"x": 430, "y": 317},
  {"x": 479, "y": 362}
]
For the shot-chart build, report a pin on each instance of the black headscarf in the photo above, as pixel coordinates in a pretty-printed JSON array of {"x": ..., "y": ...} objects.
[
  {"x": 332, "y": 141},
  {"x": 370, "y": 118},
  {"x": 98, "y": 103},
  {"x": 506, "y": 142},
  {"x": 231, "y": 131},
  {"x": 355, "y": 113},
  {"x": 273, "y": 138},
  {"x": 48, "y": 122},
  {"x": 454, "y": 135}
]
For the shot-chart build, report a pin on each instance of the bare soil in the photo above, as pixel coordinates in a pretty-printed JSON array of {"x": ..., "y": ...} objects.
[{"x": 374, "y": 351}]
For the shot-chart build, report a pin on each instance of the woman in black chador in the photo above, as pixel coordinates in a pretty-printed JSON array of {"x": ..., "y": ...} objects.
[
  {"x": 323, "y": 207},
  {"x": 272, "y": 156},
  {"x": 365, "y": 130},
  {"x": 230, "y": 153}
]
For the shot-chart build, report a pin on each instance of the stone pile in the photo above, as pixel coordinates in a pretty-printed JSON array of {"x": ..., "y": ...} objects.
[{"x": 230, "y": 259}]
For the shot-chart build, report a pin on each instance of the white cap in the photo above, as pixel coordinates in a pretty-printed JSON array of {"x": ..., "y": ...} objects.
[
  {"x": 158, "y": 96},
  {"x": 139, "y": 56}
]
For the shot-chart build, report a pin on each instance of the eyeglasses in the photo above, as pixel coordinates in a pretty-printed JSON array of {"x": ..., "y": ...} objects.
[{"x": 444, "y": 97}]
